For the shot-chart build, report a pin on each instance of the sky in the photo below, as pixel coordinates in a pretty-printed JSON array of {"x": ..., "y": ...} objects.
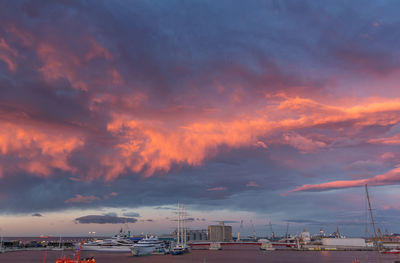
[{"x": 112, "y": 112}]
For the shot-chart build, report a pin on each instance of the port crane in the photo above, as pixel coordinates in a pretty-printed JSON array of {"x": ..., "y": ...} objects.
[
  {"x": 272, "y": 231},
  {"x": 240, "y": 230},
  {"x": 254, "y": 231}
]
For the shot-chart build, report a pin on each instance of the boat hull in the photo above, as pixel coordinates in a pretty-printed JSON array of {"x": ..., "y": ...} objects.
[
  {"x": 120, "y": 249},
  {"x": 148, "y": 250}
]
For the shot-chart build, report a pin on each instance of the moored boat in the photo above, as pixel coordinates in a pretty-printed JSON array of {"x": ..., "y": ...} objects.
[
  {"x": 75, "y": 260},
  {"x": 118, "y": 243},
  {"x": 181, "y": 247},
  {"x": 147, "y": 246},
  {"x": 391, "y": 251}
]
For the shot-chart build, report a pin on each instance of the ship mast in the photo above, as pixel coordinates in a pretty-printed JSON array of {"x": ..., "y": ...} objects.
[
  {"x": 184, "y": 226},
  {"x": 370, "y": 212},
  {"x": 178, "y": 233}
]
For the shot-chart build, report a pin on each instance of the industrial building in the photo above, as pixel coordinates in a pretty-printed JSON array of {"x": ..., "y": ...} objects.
[
  {"x": 191, "y": 235},
  {"x": 220, "y": 233},
  {"x": 347, "y": 242},
  {"x": 196, "y": 235}
]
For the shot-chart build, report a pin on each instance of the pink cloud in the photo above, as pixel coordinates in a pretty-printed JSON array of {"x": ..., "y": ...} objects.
[
  {"x": 387, "y": 155},
  {"x": 252, "y": 184},
  {"x": 108, "y": 196},
  {"x": 389, "y": 178},
  {"x": 40, "y": 150},
  {"x": 261, "y": 144},
  {"x": 393, "y": 140},
  {"x": 7, "y": 55},
  {"x": 305, "y": 145},
  {"x": 82, "y": 199},
  {"x": 391, "y": 207},
  {"x": 219, "y": 188}
]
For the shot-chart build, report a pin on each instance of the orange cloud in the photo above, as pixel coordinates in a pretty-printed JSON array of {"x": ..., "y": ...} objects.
[
  {"x": 64, "y": 63},
  {"x": 82, "y": 199},
  {"x": 153, "y": 146},
  {"x": 387, "y": 155},
  {"x": 56, "y": 64},
  {"x": 39, "y": 151},
  {"x": 394, "y": 140},
  {"x": 305, "y": 145},
  {"x": 153, "y": 142},
  {"x": 389, "y": 178},
  {"x": 147, "y": 145}
]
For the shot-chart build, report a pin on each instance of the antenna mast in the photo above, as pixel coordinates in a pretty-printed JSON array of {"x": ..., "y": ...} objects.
[{"x": 370, "y": 212}]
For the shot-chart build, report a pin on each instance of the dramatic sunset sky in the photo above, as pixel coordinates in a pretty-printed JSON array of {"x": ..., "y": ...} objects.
[{"x": 261, "y": 111}]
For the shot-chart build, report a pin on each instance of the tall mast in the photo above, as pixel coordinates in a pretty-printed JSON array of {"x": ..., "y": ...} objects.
[
  {"x": 184, "y": 226},
  {"x": 178, "y": 234},
  {"x": 272, "y": 231},
  {"x": 370, "y": 212},
  {"x": 181, "y": 223}
]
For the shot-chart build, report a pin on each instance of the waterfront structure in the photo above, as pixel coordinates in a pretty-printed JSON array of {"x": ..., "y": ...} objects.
[
  {"x": 194, "y": 235},
  {"x": 220, "y": 233},
  {"x": 197, "y": 235},
  {"x": 344, "y": 242},
  {"x": 305, "y": 237}
]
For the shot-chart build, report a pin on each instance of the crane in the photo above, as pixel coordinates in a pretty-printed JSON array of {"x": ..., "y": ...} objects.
[
  {"x": 240, "y": 229},
  {"x": 254, "y": 231},
  {"x": 272, "y": 231},
  {"x": 287, "y": 231}
]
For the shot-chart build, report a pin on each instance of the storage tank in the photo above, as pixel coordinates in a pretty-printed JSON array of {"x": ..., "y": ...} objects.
[{"x": 348, "y": 242}]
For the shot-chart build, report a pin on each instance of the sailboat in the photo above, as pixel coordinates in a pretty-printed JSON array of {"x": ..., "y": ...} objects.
[
  {"x": 59, "y": 248},
  {"x": 180, "y": 247}
]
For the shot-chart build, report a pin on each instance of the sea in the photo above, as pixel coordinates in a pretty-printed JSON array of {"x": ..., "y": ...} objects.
[{"x": 246, "y": 254}]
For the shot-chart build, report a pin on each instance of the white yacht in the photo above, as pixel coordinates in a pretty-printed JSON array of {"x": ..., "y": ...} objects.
[
  {"x": 149, "y": 245},
  {"x": 118, "y": 243}
]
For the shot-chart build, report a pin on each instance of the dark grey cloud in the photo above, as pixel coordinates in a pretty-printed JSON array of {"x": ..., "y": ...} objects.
[
  {"x": 37, "y": 215},
  {"x": 164, "y": 208},
  {"x": 111, "y": 214},
  {"x": 131, "y": 214},
  {"x": 227, "y": 221},
  {"x": 104, "y": 219}
]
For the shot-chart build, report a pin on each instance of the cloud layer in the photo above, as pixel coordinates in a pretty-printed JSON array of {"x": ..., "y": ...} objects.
[
  {"x": 210, "y": 102},
  {"x": 104, "y": 219}
]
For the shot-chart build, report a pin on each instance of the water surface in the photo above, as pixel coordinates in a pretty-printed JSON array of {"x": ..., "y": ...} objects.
[{"x": 231, "y": 255}]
